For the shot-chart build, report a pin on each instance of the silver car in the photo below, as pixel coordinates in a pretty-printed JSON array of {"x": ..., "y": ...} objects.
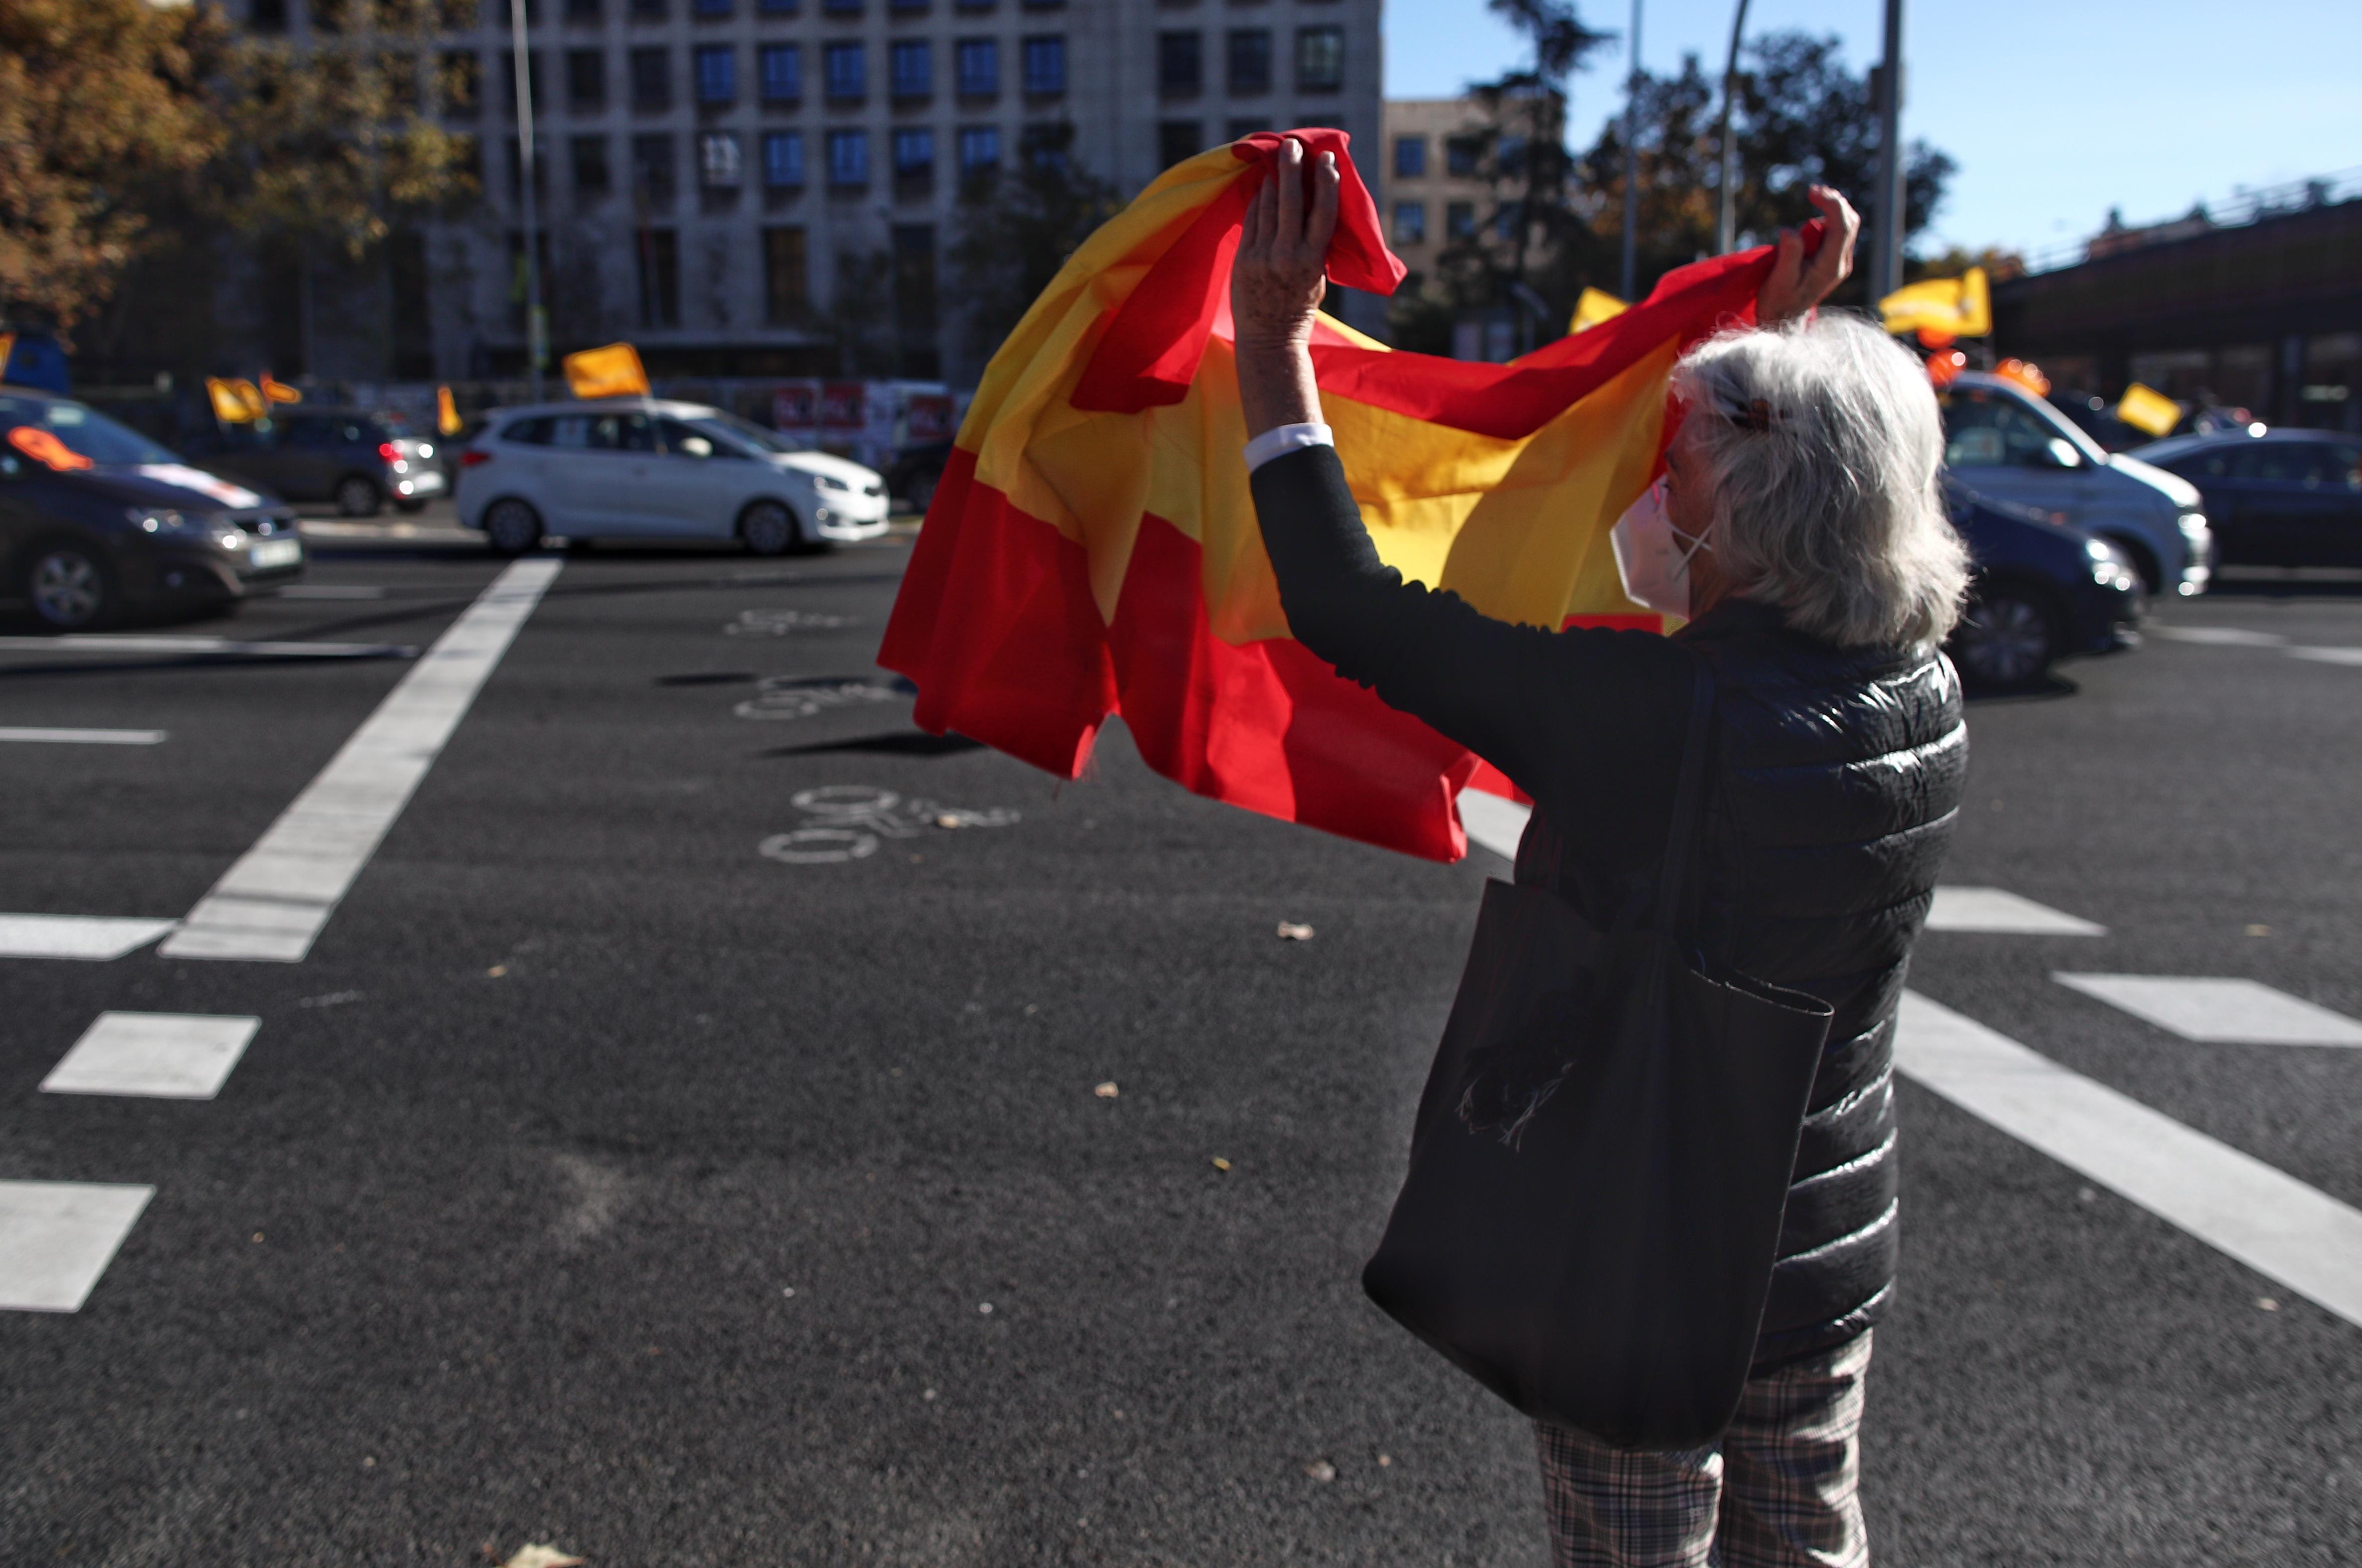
[
  {"x": 2000, "y": 440},
  {"x": 651, "y": 470}
]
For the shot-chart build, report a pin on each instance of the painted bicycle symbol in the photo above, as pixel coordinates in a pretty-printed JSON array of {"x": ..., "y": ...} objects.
[
  {"x": 782, "y": 623},
  {"x": 805, "y": 696},
  {"x": 849, "y": 820}
]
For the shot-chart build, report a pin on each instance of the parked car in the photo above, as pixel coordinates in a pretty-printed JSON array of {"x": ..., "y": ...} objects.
[
  {"x": 357, "y": 460},
  {"x": 2008, "y": 444},
  {"x": 2284, "y": 497},
  {"x": 95, "y": 517},
  {"x": 646, "y": 469},
  {"x": 916, "y": 472},
  {"x": 2044, "y": 590}
]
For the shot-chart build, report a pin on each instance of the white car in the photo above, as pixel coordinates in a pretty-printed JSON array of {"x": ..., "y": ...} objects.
[{"x": 647, "y": 469}]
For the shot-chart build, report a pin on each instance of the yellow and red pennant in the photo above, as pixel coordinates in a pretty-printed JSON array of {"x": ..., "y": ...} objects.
[{"x": 1093, "y": 550}]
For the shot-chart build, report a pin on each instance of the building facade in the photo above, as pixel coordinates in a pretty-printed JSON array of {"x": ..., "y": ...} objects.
[{"x": 742, "y": 187}]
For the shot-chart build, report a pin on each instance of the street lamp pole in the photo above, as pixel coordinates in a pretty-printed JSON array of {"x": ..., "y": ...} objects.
[
  {"x": 1886, "y": 261},
  {"x": 537, "y": 326},
  {"x": 1725, "y": 202},
  {"x": 1632, "y": 160}
]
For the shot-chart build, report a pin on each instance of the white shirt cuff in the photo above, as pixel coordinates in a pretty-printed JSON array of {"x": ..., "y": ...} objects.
[{"x": 1284, "y": 439}]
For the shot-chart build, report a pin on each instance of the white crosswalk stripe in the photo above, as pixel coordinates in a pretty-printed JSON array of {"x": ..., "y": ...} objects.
[
  {"x": 35, "y": 734},
  {"x": 77, "y": 936},
  {"x": 57, "y": 1238},
  {"x": 273, "y": 904},
  {"x": 2228, "y": 1011},
  {"x": 2234, "y": 1202},
  {"x": 2000, "y": 911},
  {"x": 153, "y": 1056}
]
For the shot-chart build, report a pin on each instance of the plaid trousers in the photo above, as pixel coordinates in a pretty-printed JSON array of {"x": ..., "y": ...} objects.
[{"x": 1781, "y": 1490}]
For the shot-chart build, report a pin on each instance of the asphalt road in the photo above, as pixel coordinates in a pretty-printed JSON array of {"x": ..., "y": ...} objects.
[{"x": 600, "y": 1179}]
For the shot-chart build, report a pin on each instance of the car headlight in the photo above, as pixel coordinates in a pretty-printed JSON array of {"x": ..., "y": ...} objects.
[
  {"x": 2194, "y": 528},
  {"x": 164, "y": 520},
  {"x": 830, "y": 482}
]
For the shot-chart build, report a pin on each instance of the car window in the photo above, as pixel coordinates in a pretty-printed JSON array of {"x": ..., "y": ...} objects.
[
  {"x": 1985, "y": 430},
  {"x": 2313, "y": 464},
  {"x": 528, "y": 432},
  {"x": 746, "y": 430},
  {"x": 683, "y": 439},
  {"x": 90, "y": 433},
  {"x": 623, "y": 433},
  {"x": 302, "y": 430}
]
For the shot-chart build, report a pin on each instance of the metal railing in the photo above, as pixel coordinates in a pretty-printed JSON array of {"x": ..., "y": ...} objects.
[{"x": 2241, "y": 208}]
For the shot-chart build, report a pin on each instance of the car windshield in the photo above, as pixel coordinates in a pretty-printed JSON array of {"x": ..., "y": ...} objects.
[
  {"x": 745, "y": 430},
  {"x": 83, "y": 431}
]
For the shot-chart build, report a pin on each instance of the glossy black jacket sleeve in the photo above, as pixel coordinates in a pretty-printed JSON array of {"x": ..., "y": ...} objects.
[{"x": 1586, "y": 721}]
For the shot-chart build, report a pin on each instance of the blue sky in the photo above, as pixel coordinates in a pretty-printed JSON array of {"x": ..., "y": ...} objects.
[{"x": 2057, "y": 110}]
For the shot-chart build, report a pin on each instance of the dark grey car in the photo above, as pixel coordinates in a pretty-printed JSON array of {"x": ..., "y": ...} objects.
[{"x": 358, "y": 460}]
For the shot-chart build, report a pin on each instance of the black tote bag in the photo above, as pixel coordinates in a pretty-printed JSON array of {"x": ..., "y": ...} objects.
[{"x": 1597, "y": 1250}]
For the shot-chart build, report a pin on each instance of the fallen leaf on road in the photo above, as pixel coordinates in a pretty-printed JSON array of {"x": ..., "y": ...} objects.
[
  {"x": 535, "y": 1556},
  {"x": 950, "y": 820},
  {"x": 1321, "y": 1470},
  {"x": 496, "y": 971},
  {"x": 1107, "y": 1090},
  {"x": 1291, "y": 931},
  {"x": 1221, "y": 1163}
]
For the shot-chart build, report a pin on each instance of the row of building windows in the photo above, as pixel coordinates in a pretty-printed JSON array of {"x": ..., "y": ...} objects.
[
  {"x": 779, "y": 74},
  {"x": 1247, "y": 61},
  {"x": 847, "y": 159},
  {"x": 1461, "y": 155},
  {"x": 1458, "y": 222},
  {"x": 463, "y": 15},
  {"x": 786, "y": 275}
]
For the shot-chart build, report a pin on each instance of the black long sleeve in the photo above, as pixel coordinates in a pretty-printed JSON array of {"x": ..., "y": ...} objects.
[{"x": 1589, "y": 722}]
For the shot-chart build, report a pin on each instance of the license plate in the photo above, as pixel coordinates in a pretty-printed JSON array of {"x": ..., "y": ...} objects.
[{"x": 269, "y": 553}]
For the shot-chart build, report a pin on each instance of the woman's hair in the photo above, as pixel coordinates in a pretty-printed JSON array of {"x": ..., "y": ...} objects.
[{"x": 1824, "y": 440}]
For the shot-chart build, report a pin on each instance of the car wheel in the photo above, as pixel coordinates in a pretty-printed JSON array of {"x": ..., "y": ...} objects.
[
  {"x": 69, "y": 587},
  {"x": 768, "y": 528},
  {"x": 358, "y": 496},
  {"x": 922, "y": 492},
  {"x": 2007, "y": 638},
  {"x": 512, "y": 526}
]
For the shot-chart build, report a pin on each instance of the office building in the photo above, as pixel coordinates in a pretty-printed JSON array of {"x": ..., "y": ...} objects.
[{"x": 737, "y": 186}]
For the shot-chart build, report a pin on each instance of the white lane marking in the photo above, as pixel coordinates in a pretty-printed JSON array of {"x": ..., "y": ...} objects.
[
  {"x": 2234, "y": 1203},
  {"x": 114, "y": 643},
  {"x": 272, "y": 905},
  {"x": 2234, "y": 1012},
  {"x": 2221, "y": 637},
  {"x": 153, "y": 1056},
  {"x": 329, "y": 590},
  {"x": 2349, "y": 657},
  {"x": 76, "y": 936},
  {"x": 37, "y": 735},
  {"x": 1999, "y": 910},
  {"x": 1498, "y": 823},
  {"x": 1494, "y": 821},
  {"x": 57, "y": 1238}
]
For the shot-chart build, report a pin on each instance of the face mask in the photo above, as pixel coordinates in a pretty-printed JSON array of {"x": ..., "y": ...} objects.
[{"x": 1653, "y": 556}]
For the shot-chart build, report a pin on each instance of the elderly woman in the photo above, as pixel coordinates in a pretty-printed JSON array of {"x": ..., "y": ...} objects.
[{"x": 1819, "y": 576}]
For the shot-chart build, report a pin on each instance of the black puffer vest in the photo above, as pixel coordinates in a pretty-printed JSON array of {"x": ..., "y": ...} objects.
[{"x": 1838, "y": 776}]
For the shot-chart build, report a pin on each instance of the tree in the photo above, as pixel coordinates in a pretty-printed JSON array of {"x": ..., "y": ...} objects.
[
  {"x": 102, "y": 103},
  {"x": 1517, "y": 143},
  {"x": 329, "y": 142},
  {"x": 1016, "y": 228},
  {"x": 1800, "y": 118}
]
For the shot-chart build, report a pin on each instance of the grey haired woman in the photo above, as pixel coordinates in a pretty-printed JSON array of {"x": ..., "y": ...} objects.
[{"x": 1799, "y": 529}]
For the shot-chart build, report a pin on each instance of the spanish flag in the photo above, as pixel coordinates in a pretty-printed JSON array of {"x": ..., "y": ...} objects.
[{"x": 1092, "y": 548}]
